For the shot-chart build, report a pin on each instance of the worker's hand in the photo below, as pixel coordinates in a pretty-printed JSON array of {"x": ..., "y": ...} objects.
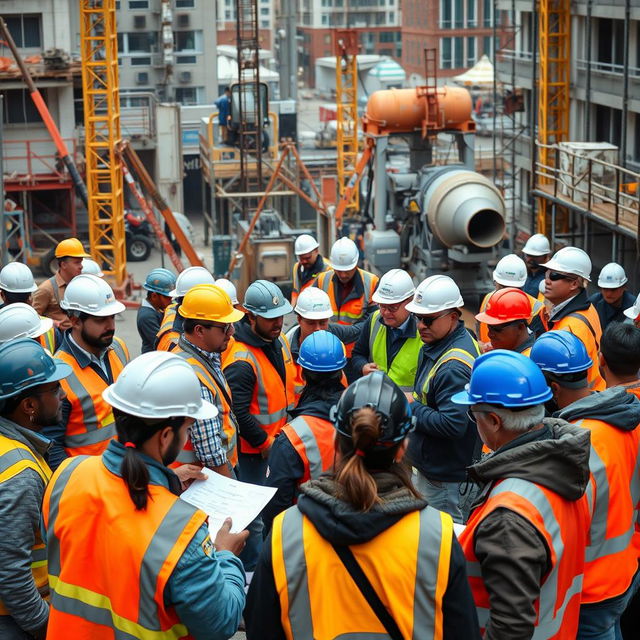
[
  {"x": 227, "y": 541},
  {"x": 409, "y": 396},
  {"x": 369, "y": 368},
  {"x": 187, "y": 473}
]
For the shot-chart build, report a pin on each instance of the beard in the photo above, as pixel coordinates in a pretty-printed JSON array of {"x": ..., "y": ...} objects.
[
  {"x": 101, "y": 342},
  {"x": 172, "y": 452}
]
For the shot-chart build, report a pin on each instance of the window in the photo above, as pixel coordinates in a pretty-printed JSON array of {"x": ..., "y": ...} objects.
[
  {"x": 117, "y": 5},
  {"x": 185, "y": 4},
  {"x": 138, "y": 4},
  {"x": 188, "y": 41},
  {"x": 264, "y": 24},
  {"x": 227, "y": 14},
  {"x": 140, "y": 42},
  {"x": 25, "y": 30},
  {"x": 445, "y": 53},
  {"x": 457, "y": 14},
  {"x": 457, "y": 53},
  {"x": 471, "y": 13},
  {"x": 608, "y": 124},
  {"x": 471, "y": 52},
  {"x": 140, "y": 61},
  {"x": 325, "y": 19},
  {"x": 487, "y": 13},
  {"x": 186, "y": 59},
  {"x": 264, "y": 11},
  {"x": 610, "y": 35},
  {"x": 19, "y": 107},
  {"x": 487, "y": 46},
  {"x": 189, "y": 95}
]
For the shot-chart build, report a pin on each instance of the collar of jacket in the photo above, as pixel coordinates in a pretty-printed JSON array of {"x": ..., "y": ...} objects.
[
  {"x": 79, "y": 355},
  {"x": 578, "y": 303},
  {"x": 35, "y": 441},
  {"x": 526, "y": 344},
  {"x": 407, "y": 331},
  {"x": 435, "y": 350},
  {"x": 186, "y": 345},
  {"x": 358, "y": 286},
  {"x": 244, "y": 333}
]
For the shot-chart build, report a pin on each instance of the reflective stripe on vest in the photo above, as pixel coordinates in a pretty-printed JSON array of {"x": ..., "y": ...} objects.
[
  {"x": 313, "y": 440},
  {"x": 90, "y": 425},
  {"x": 559, "y": 601},
  {"x": 167, "y": 334},
  {"x": 405, "y": 364},
  {"x": 353, "y": 310},
  {"x": 415, "y": 551},
  {"x": 93, "y": 600},
  {"x": 48, "y": 340}
]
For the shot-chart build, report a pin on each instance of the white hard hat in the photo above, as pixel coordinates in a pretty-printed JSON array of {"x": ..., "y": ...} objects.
[
  {"x": 92, "y": 267},
  {"x": 19, "y": 320},
  {"x": 570, "y": 260},
  {"x": 612, "y": 276},
  {"x": 541, "y": 288},
  {"x": 436, "y": 293},
  {"x": 394, "y": 286},
  {"x": 92, "y": 295},
  {"x": 159, "y": 384},
  {"x": 313, "y": 304},
  {"x": 537, "y": 245},
  {"x": 229, "y": 288},
  {"x": 511, "y": 271},
  {"x": 634, "y": 311},
  {"x": 17, "y": 278},
  {"x": 305, "y": 244},
  {"x": 189, "y": 278},
  {"x": 344, "y": 255}
]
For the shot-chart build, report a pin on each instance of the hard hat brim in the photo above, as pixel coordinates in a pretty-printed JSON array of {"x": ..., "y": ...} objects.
[
  {"x": 487, "y": 319},
  {"x": 45, "y": 325},
  {"x": 509, "y": 283},
  {"x": 353, "y": 265},
  {"x": 560, "y": 268},
  {"x": 307, "y": 250},
  {"x": 111, "y": 309},
  {"x": 77, "y": 254},
  {"x": 416, "y": 308},
  {"x": 31, "y": 289},
  {"x": 378, "y": 299},
  {"x": 233, "y": 316},
  {"x": 273, "y": 313},
  {"x": 533, "y": 252},
  {"x": 314, "y": 315},
  {"x": 162, "y": 292},
  {"x": 465, "y": 398},
  {"x": 631, "y": 313},
  {"x": 609, "y": 285}
]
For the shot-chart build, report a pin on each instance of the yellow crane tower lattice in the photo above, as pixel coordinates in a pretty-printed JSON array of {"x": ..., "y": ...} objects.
[
  {"x": 554, "y": 45},
  {"x": 346, "y": 49},
  {"x": 101, "y": 97}
]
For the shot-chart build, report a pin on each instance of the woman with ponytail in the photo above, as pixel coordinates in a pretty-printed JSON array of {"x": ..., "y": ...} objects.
[
  {"x": 361, "y": 554},
  {"x": 127, "y": 557}
]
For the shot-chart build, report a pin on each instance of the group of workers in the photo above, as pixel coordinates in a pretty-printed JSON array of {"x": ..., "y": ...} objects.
[{"x": 383, "y": 422}]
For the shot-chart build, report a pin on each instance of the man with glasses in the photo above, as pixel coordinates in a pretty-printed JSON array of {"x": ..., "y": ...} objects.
[
  {"x": 390, "y": 340},
  {"x": 445, "y": 441},
  {"x": 208, "y": 315},
  {"x": 565, "y": 287}
]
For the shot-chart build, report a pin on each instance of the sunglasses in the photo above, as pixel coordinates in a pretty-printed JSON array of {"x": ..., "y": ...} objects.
[
  {"x": 225, "y": 328},
  {"x": 554, "y": 276},
  {"x": 499, "y": 328},
  {"x": 471, "y": 415},
  {"x": 427, "y": 321}
]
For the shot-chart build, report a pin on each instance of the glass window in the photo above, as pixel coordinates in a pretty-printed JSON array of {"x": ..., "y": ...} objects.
[
  {"x": 487, "y": 13},
  {"x": 19, "y": 107},
  {"x": 141, "y": 42},
  {"x": 138, "y": 4},
  {"x": 186, "y": 59},
  {"x": 458, "y": 11},
  {"x": 188, "y": 41},
  {"x": 471, "y": 13},
  {"x": 264, "y": 11},
  {"x": 471, "y": 52},
  {"x": 458, "y": 53},
  {"x": 25, "y": 30},
  {"x": 185, "y": 4},
  {"x": 140, "y": 61},
  {"x": 445, "y": 53},
  {"x": 188, "y": 95}
]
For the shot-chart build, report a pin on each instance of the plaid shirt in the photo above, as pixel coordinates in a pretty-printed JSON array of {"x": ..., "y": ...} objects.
[{"x": 205, "y": 434}]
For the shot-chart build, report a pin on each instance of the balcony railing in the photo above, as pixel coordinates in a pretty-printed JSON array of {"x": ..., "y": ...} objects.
[
  {"x": 31, "y": 161},
  {"x": 609, "y": 68}
]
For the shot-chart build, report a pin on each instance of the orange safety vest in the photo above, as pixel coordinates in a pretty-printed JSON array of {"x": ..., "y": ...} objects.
[
  {"x": 407, "y": 565},
  {"x": 167, "y": 333},
  {"x": 48, "y": 340},
  {"x": 109, "y": 564},
  {"x": 271, "y": 398},
  {"x": 224, "y": 356},
  {"x": 563, "y": 525},
  {"x": 612, "y": 557},
  {"x": 297, "y": 288},
  {"x": 222, "y": 400},
  {"x": 313, "y": 439},
  {"x": 586, "y": 326},
  {"x": 91, "y": 423}
]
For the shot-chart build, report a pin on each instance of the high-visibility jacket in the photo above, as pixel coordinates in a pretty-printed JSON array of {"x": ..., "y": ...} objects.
[
  {"x": 109, "y": 564},
  {"x": 537, "y": 307},
  {"x": 297, "y": 288},
  {"x": 91, "y": 423},
  {"x": 222, "y": 399},
  {"x": 15, "y": 457},
  {"x": 586, "y": 326},
  {"x": 168, "y": 334},
  {"x": 407, "y": 565},
  {"x": 313, "y": 439},
  {"x": 611, "y": 556},
  {"x": 224, "y": 356},
  {"x": 48, "y": 340},
  {"x": 563, "y": 525},
  {"x": 271, "y": 397},
  {"x": 402, "y": 369}
]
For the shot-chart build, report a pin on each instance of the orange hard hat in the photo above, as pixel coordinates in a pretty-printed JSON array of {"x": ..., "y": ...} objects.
[
  {"x": 506, "y": 305},
  {"x": 208, "y": 302},
  {"x": 71, "y": 248}
]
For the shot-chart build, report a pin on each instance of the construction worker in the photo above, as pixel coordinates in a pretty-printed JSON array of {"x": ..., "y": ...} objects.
[
  {"x": 159, "y": 284},
  {"x": 47, "y": 297},
  {"x": 19, "y": 320},
  {"x": 511, "y": 271},
  {"x": 445, "y": 441},
  {"x": 611, "y": 575},
  {"x": 97, "y": 358},
  {"x": 171, "y": 325},
  {"x": 261, "y": 373},
  {"x": 620, "y": 357},
  {"x": 389, "y": 340},
  {"x": 633, "y": 312},
  {"x": 313, "y": 312},
  {"x": 30, "y": 396},
  {"x": 613, "y": 297},
  {"x": 304, "y": 449},
  {"x": 127, "y": 557},
  {"x": 208, "y": 318},
  {"x": 565, "y": 287},
  {"x": 507, "y": 314},
  {"x": 365, "y": 556},
  {"x": 536, "y": 251},
  {"x": 91, "y": 267},
  {"x": 309, "y": 266},
  {"x": 526, "y": 537}
]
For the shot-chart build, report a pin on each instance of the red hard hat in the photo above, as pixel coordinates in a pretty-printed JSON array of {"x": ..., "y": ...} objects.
[{"x": 506, "y": 305}]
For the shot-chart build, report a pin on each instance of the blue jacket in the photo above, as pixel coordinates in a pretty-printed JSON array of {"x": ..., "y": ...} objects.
[
  {"x": 607, "y": 313},
  {"x": 445, "y": 441},
  {"x": 532, "y": 284},
  {"x": 148, "y": 322}
]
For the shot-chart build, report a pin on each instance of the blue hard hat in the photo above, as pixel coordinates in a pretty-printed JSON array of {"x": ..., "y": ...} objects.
[
  {"x": 505, "y": 378},
  {"x": 560, "y": 352},
  {"x": 160, "y": 281},
  {"x": 322, "y": 351},
  {"x": 25, "y": 364}
]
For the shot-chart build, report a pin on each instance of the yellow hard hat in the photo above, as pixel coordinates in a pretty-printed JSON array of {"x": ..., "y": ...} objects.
[
  {"x": 71, "y": 248},
  {"x": 208, "y": 302}
]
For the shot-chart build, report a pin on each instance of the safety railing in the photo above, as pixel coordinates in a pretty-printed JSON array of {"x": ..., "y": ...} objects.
[
  {"x": 32, "y": 160},
  {"x": 609, "y": 68}
]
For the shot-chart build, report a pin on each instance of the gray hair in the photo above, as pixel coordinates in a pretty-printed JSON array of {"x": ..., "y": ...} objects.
[{"x": 516, "y": 421}]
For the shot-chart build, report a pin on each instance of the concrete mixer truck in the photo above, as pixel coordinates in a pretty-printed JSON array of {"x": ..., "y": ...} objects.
[{"x": 430, "y": 218}]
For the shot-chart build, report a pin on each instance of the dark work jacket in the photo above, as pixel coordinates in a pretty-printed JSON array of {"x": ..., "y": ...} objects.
[
  {"x": 532, "y": 284},
  {"x": 148, "y": 322},
  {"x": 607, "y": 313},
  {"x": 346, "y": 333},
  {"x": 337, "y": 522},
  {"x": 306, "y": 275},
  {"x": 445, "y": 441}
]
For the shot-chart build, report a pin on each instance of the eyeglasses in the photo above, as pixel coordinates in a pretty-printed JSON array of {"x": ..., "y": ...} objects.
[
  {"x": 225, "y": 328},
  {"x": 471, "y": 414},
  {"x": 54, "y": 390},
  {"x": 391, "y": 308},
  {"x": 427, "y": 321},
  {"x": 499, "y": 328},
  {"x": 554, "y": 276}
]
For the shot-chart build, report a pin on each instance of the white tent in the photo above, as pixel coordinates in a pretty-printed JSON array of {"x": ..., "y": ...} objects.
[{"x": 480, "y": 75}]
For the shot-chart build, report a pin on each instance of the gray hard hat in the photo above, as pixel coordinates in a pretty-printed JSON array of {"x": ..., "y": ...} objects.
[{"x": 265, "y": 299}]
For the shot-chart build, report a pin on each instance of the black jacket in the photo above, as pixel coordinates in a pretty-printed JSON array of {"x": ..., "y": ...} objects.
[
  {"x": 337, "y": 522},
  {"x": 514, "y": 558},
  {"x": 607, "y": 313},
  {"x": 306, "y": 275},
  {"x": 148, "y": 322}
]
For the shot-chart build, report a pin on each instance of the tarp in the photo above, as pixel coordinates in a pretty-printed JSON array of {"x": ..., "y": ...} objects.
[
  {"x": 388, "y": 70},
  {"x": 480, "y": 75}
]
